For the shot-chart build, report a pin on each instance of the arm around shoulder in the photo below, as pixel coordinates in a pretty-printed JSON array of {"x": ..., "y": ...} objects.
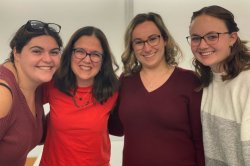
[
  {"x": 5, "y": 106},
  {"x": 5, "y": 99},
  {"x": 114, "y": 123}
]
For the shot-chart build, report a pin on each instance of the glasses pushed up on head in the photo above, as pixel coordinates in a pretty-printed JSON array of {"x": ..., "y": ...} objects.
[
  {"x": 152, "y": 40},
  {"x": 39, "y": 26},
  {"x": 210, "y": 38},
  {"x": 94, "y": 56}
]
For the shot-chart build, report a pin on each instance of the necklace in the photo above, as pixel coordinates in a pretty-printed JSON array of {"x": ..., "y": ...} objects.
[{"x": 82, "y": 98}]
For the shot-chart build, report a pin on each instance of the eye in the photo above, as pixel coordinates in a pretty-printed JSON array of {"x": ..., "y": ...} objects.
[
  {"x": 36, "y": 51},
  {"x": 96, "y": 54},
  {"x": 138, "y": 42},
  {"x": 80, "y": 51},
  {"x": 55, "y": 52},
  {"x": 153, "y": 38},
  {"x": 195, "y": 39},
  {"x": 212, "y": 36}
]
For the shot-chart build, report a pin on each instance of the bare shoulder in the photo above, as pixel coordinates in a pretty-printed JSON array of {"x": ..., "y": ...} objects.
[{"x": 5, "y": 98}]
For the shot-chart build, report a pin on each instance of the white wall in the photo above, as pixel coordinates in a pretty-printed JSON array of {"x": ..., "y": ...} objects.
[
  {"x": 108, "y": 15},
  {"x": 177, "y": 15},
  {"x": 111, "y": 16}
]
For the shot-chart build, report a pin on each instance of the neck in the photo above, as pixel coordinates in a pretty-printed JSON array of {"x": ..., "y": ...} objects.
[
  {"x": 159, "y": 70},
  {"x": 23, "y": 83}
]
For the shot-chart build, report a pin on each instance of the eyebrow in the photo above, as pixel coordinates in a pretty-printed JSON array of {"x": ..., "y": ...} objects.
[
  {"x": 89, "y": 50},
  {"x": 56, "y": 48},
  {"x": 147, "y": 37},
  {"x": 204, "y": 34}
]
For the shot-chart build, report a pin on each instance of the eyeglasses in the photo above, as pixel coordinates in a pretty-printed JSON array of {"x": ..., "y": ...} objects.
[
  {"x": 39, "y": 26},
  {"x": 152, "y": 40},
  {"x": 210, "y": 38},
  {"x": 81, "y": 53}
]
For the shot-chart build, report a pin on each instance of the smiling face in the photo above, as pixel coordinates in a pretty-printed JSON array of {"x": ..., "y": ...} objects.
[
  {"x": 38, "y": 60},
  {"x": 212, "y": 55},
  {"x": 84, "y": 69},
  {"x": 149, "y": 56}
]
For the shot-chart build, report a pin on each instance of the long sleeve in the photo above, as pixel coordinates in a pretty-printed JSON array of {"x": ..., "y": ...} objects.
[
  {"x": 195, "y": 123},
  {"x": 114, "y": 124},
  {"x": 245, "y": 129}
]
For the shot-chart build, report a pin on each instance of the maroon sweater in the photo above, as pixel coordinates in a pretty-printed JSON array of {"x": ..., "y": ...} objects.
[
  {"x": 20, "y": 131},
  {"x": 163, "y": 127}
]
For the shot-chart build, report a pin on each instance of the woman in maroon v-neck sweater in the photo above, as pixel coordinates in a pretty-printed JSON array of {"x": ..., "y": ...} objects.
[{"x": 158, "y": 111}]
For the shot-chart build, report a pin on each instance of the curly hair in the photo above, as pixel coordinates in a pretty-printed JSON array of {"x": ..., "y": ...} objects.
[{"x": 172, "y": 50}]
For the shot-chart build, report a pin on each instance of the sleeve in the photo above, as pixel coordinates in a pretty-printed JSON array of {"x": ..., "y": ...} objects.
[
  {"x": 5, "y": 100},
  {"x": 45, "y": 121},
  {"x": 45, "y": 92},
  {"x": 245, "y": 130},
  {"x": 114, "y": 124},
  {"x": 195, "y": 123}
]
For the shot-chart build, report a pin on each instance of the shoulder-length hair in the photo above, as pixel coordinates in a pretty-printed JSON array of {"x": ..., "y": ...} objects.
[
  {"x": 239, "y": 58},
  {"x": 105, "y": 82},
  {"x": 172, "y": 50}
]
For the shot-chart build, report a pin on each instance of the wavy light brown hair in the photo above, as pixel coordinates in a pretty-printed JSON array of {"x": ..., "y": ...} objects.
[{"x": 172, "y": 50}]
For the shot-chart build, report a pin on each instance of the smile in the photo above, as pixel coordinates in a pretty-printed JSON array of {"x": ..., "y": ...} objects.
[{"x": 206, "y": 53}]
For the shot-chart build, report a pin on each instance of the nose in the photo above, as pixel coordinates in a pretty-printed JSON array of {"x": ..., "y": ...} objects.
[
  {"x": 46, "y": 57},
  {"x": 203, "y": 43},
  {"x": 147, "y": 47},
  {"x": 87, "y": 58}
]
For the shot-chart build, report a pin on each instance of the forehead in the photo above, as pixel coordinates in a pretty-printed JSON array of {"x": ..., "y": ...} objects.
[
  {"x": 44, "y": 41},
  {"x": 145, "y": 29},
  {"x": 204, "y": 24},
  {"x": 89, "y": 42}
]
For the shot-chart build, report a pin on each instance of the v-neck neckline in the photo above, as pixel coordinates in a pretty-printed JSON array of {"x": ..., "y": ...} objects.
[{"x": 161, "y": 86}]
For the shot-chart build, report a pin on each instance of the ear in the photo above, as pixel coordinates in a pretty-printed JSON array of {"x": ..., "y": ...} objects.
[{"x": 233, "y": 38}]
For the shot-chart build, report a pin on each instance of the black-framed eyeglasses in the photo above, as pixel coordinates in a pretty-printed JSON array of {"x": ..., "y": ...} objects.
[
  {"x": 81, "y": 53},
  {"x": 39, "y": 26},
  {"x": 210, "y": 38},
  {"x": 152, "y": 40}
]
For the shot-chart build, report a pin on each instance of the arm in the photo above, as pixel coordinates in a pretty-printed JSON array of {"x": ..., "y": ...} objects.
[
  {"x": 114, "y": 123},
  {"x": 6, "y": 104},
  {"x": 195, "y": 122},
  {"x": 45, "y": 100},
  {"x": 245, "y": 130}
]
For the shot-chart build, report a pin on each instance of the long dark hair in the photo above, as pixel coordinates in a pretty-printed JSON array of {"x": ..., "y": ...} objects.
[
  {"x": 105, "y": 82},
  {"x": 239, "y": 58}
]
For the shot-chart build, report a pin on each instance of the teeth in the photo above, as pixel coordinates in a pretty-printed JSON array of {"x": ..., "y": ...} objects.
[
  {"x": 45, "y": 67},
  {"x": 206, "y": 53},
  {"x": 85, "y": 67},
  {"x": 148, "y": 55}
]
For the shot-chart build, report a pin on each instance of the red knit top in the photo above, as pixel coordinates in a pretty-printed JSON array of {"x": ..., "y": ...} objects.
[{"x": 77, "y": 129}]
